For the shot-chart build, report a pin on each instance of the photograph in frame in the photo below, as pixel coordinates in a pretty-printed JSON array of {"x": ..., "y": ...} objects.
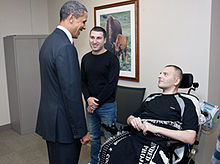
[{"x": 120, "y": 20}]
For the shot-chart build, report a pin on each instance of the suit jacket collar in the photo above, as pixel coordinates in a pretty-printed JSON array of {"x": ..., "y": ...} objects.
[
  {"x": 62, "y": 34},
  {"x": 69, "y": 35}
]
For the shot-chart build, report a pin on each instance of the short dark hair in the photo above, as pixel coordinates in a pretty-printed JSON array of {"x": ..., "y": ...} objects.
[
  {"x": 74, "y": 7},
  {"x": 98, "y": 29},
  {"x": 178, "y": 70}
]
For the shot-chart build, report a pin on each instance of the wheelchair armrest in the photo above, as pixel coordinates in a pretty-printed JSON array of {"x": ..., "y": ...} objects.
[
  {"x": 173, "y": 144},
  {"x": 125, "y": 128},
  {"x": 196, "y": 142},
  {"x": 113, "y": 129}
]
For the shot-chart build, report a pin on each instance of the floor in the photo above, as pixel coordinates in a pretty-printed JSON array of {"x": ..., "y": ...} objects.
[{"x": 28, "y": 149}]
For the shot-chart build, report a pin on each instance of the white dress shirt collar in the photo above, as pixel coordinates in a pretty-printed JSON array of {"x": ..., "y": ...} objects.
[{"x": 66, "y": 32}]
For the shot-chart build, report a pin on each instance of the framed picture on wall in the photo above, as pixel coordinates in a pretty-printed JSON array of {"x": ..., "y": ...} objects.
[{"x": 121, "y": 22}]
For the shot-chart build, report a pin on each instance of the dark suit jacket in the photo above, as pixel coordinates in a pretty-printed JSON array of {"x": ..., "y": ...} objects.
[{"x": 61, "y": 115}]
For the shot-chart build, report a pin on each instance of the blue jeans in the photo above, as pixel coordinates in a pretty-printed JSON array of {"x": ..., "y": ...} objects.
[{"x": 105, "y": 114}]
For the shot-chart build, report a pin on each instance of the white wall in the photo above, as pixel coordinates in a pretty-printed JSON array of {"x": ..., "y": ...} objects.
[
  {"x": 18, "y": 17},
  {"x": 174, "y": 32}
]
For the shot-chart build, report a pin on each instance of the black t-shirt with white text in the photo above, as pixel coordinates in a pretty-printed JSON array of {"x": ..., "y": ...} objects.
[{"x": 171, "y": 111}]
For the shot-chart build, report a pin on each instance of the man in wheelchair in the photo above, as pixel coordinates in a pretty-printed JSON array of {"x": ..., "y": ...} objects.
[{"x": 161, "y": 117}]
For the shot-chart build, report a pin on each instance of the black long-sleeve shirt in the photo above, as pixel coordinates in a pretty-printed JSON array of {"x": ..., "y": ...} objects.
[{"x": 99, "y": 75}]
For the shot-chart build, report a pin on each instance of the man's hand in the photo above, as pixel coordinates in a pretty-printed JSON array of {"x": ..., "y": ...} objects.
[
  {"x": 148, "y": 127},
  {"x": 91, "y": 109},
  {"x": 135, "y": 122},
  {"x": 92, "y": 101},
  {"x": 85, "y": 139},
  {"x": 92, "y": 104}
]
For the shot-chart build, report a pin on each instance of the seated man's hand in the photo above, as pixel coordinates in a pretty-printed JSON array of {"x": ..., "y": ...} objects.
[
  {"x": 148, "y": 127},
  {"x": 135, "y": 122},
  {"x": 85, "y": 139}
]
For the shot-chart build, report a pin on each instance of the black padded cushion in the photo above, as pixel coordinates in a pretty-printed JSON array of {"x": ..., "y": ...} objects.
[
  {"x": 187, "y": 81},
  {"x": 128, "y": 99}
]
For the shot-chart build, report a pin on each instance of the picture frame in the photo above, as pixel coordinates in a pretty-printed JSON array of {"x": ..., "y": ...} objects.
[{"x": 121, "y": 22}]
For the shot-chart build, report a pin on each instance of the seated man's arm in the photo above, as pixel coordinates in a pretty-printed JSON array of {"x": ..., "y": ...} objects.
[
  {"x": 189, "y": 125},
  {"x": 186, "y": 136}
]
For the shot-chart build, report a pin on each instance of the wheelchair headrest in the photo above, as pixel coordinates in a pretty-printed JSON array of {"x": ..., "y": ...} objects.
[{"x": 187, "y": 81}]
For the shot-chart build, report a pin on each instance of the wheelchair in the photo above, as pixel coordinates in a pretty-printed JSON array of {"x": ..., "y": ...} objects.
[{"x": 181, "y": 152}]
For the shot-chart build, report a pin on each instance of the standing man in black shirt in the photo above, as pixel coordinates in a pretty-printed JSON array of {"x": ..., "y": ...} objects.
[{"x": 100, "y": 72}]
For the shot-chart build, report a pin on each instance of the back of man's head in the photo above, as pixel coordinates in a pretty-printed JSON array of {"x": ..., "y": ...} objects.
[
  {"x": 98, "y": 29},
  {"x": 74, "y": 7}
]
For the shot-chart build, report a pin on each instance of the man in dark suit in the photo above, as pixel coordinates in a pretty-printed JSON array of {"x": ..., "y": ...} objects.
[{"x": 61, "y": 119}]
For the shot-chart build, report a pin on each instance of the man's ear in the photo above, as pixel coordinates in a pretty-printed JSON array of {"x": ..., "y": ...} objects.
[
  {"x": 71, "y": 18},
  {"x": 177, "y": 82}
]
